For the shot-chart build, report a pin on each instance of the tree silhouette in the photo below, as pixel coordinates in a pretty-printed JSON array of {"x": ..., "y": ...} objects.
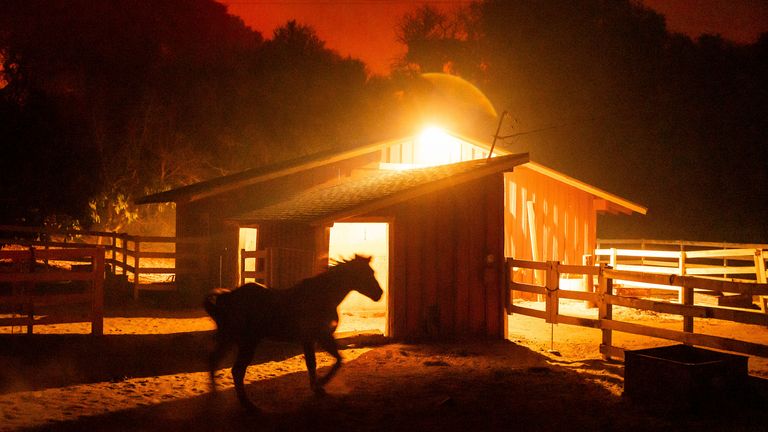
[
  {"x": 610, "y": 96},
  {"x": 106, "y": 101}
]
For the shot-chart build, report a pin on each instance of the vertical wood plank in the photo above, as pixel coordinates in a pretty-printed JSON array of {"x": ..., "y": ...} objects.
[
  {"x": 397, "y": 283},
  {"x": 430, "y": 261},
  {"x": 463, "y": 217},
  {"x": 495, "y": 310},
  {"x": 413, "y": 272},
  {"x": 477, "y": 245},
  {"x": 446, "y": 251}
]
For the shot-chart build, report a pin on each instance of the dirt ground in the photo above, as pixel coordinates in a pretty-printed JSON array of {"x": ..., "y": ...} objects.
[{"x": 148, "y": 373}]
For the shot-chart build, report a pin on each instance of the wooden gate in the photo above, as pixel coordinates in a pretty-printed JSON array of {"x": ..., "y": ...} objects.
[
  {"x": 277, "y": 267},
  {"x": 25, "y": 286}
]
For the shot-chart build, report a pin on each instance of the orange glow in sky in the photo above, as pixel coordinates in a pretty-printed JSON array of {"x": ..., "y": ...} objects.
[{"x": 365, "y": 29}]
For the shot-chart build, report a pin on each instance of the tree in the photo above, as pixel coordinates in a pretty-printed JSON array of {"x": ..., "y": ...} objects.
[
  {"x": 601, "y": 89},
  {"x": 104, "y": 102}
]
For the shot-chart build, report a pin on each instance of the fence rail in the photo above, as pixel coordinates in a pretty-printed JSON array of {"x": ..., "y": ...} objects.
[
  {"x": 275, "y": 267},
  {"x": 25, "y": 288},
  {"x": 148, "y": 262},
  {"x": 600, "y": 291}
]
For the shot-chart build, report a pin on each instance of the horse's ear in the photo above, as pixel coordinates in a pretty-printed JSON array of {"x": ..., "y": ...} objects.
[{"x": 363, "y": 257}]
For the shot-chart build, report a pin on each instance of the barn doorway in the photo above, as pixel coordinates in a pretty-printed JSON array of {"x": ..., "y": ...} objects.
[
  {"x": 358, "y": 313},
  {"x": 247, "y": 242}
]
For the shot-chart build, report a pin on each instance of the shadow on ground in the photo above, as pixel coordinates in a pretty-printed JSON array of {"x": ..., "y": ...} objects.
[
  {"x": 36, "y": 362},
  {"x": 447, "y": 387}
]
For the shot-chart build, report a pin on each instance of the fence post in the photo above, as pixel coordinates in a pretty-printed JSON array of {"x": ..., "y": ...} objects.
[
  {"x": 552, "y": 286},
  {"x": 137, "y": 252},
  {"x": 760, "y": 276},
  {"x": 114, "y": 253},
  {"x": 124, "y": 239},
  {"x": 589, "y": 282},
  {"x": 97, "y": 285},
  {"x": 605, "y": 310},
  {"x": 686, "y": 294}
]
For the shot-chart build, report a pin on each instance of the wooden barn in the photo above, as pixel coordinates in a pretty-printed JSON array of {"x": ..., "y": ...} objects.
[{"x": 438, "y": 216}]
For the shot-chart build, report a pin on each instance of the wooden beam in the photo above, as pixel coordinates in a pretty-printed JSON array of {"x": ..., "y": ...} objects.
[{"x": 710, "y": 341}]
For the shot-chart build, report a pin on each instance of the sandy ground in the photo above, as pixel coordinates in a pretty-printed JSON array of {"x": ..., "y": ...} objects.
[{"x": 148, "y": 373}]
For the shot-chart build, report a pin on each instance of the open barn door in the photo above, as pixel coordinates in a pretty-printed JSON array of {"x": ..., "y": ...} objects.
[
  {"x": 246, "y": 248},
  {"x": 357, "y": 312}
]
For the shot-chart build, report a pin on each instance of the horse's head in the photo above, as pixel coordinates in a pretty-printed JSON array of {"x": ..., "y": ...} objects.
[{"x": 357, "y": 274}]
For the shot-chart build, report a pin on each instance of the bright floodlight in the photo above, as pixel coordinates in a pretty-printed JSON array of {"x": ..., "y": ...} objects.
[{"x": 434, "y": 146}]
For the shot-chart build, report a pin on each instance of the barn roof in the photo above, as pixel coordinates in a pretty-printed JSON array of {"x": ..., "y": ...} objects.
[
  {"x": 252, "y": 176},
  {"x": 610, "y": 203},
  {"x": 613, "y": 203},
  {"x": 360, "y": 195}
]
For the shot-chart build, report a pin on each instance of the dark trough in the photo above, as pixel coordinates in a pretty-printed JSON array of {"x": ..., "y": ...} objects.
[{"x": 682, "y": 377}]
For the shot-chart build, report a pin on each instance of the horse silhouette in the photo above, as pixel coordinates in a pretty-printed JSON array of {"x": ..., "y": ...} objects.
[{"x": 305, "y": 313}]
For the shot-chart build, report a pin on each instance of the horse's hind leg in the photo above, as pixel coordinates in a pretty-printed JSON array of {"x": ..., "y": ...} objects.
[
  {"x": 328, "y": 343},
  {"x": 244, "y": 357}
]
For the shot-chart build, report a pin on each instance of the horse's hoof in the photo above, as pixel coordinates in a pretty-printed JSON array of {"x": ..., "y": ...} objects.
[{"x": 320, "y": 392}]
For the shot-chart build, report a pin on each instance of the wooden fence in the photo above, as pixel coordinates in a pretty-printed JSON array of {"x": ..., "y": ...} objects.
[
  {"x": 26, "y": 288},
  {"x": 722, "y": 261},
  {"x": 148, "y": 262},
  {"x": 600, "y": 292},
  {"x": 731, "y": 261},
  {"x": 275, "y": 267}
]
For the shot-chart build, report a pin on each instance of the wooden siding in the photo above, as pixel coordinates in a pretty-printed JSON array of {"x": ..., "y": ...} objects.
[
  {"x": 447, "y": 263},
  {"x": 565, "y": 218}
]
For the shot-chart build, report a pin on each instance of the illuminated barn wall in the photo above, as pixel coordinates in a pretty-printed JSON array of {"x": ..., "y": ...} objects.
[
  {"x": 562, "y": 218},
  {"x": 447, "y": 277}
]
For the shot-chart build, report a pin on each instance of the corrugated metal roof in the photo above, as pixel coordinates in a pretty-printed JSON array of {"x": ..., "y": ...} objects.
[{"x": 358, "y": 195}]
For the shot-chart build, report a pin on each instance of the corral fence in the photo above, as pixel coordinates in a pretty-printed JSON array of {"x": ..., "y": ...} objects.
[
  {"x": 736, "y": 262},
  {"x": 275, "y": 267},
  {"x": 597, "y": 287},
  {"x": 148, "y": 263},
  {"x": 69, "y": 277}
]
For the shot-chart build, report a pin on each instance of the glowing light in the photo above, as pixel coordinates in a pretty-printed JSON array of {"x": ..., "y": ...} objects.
[{"x": 434, "y": 146}]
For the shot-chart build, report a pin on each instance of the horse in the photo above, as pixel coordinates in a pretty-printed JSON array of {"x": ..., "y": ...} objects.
[{"x": 305, "y": 313}]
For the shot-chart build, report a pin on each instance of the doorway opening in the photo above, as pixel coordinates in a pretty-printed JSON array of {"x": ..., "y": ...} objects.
[
  {"x": 248, "y": 242},
  {"x": 358, "y": 313}
]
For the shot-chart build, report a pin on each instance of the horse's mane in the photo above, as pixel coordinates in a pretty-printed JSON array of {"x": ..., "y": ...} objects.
[{"x": 335, "y": 263}]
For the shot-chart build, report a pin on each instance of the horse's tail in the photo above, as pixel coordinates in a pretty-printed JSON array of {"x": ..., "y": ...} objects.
[{"x": 212, "y": 305}]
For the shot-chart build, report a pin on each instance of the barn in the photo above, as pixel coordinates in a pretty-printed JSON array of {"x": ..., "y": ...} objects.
[{"x": 437, "y": 214}]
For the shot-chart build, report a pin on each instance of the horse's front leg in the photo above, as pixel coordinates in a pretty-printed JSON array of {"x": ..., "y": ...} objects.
[
  {"x": 309, "y": 359},
  {"x": 328, "y": 343},
  {"x": 214, "y": 359},
  {"x": 244, "y": 357}
]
